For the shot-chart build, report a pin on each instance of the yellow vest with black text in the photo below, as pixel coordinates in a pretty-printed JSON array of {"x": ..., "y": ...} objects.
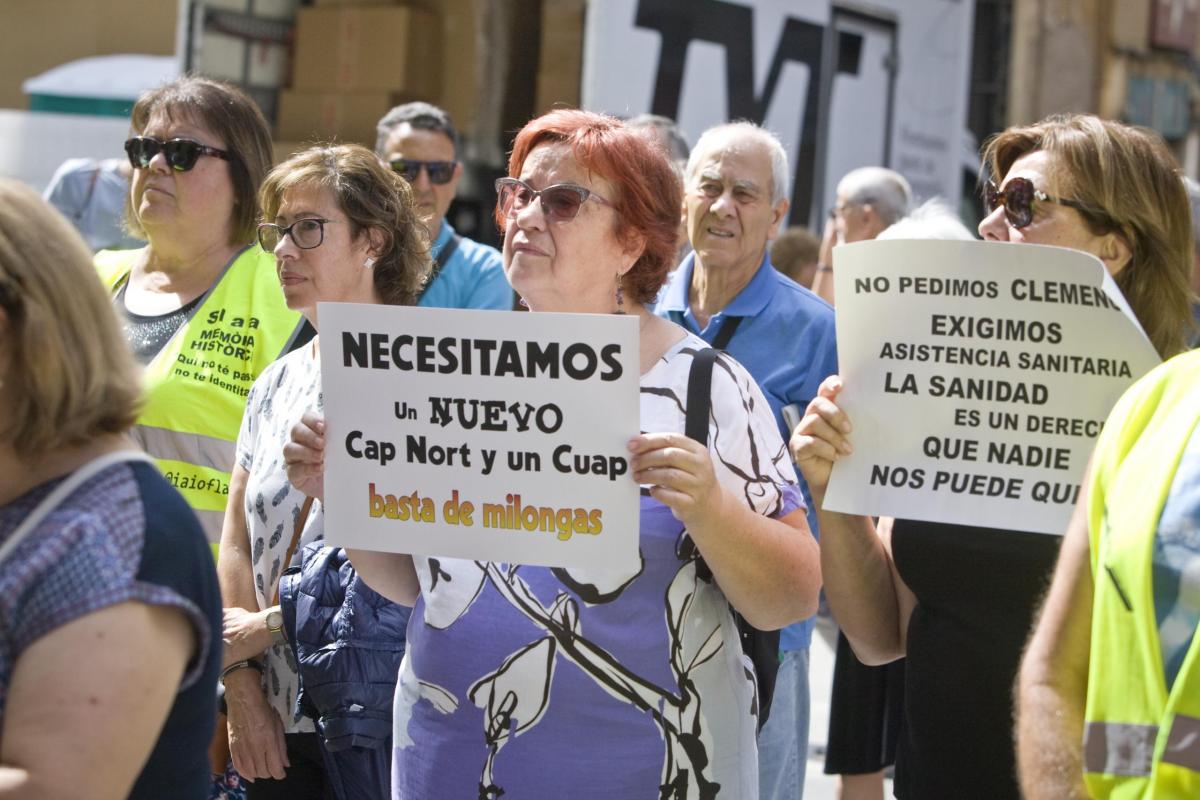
[
  {"x": 1141, "y": 740},
  {"x": 196, "y": 386}
]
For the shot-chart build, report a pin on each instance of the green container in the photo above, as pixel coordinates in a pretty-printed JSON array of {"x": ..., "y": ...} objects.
[{"x": 93, "y": 106}]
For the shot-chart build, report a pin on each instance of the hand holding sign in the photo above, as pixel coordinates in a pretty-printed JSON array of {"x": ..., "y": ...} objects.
[
  {"x": 978, "y": 376},
  {"x": 304, "y": 455},
  {"x": 821, "y": 437},
  {"x": 680, "y": 473}
]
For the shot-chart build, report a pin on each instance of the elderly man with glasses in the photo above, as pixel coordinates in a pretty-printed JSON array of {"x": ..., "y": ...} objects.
[
  {"x": 420, "y": 142},
  {"x": 869, "y": 199}
]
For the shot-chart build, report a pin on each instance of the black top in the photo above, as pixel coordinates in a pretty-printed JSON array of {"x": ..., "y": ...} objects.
[
  {"x": 148, "y": 335},
  {"x": 125, "y": 535},
  {"x": 977, "y": 592},
  {"x": 177, "y": 555}
]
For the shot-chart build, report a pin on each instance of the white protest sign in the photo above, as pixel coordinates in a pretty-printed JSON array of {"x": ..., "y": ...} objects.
[
  {"x": 977, "y": 377},
  {"x": 481, "y": 434}
]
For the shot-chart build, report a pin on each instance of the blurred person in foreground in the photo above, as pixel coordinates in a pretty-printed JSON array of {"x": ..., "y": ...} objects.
[
  {"x": 420, "y": 142},
  {"x": 590, "y": 213},
  {"x": 200, "y": 304},
  {"x": 1193, "y": 190},
  {"x": 343, "y": 229},
  {"x": 109, "y": 608},
  {"x": 959, "y": 600},
  {"x": 1109, "y": 692}
]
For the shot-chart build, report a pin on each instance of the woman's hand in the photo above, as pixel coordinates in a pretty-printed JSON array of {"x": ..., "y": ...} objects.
[
  {"x": 255, "y": 731},
  {"x": 680, "y": 473},
  {"x": 304, "y": 455},
  {"x": 820, "y": 438},
  {"x": 822, "y": 284},
  {"x": 245, "y": 634}
]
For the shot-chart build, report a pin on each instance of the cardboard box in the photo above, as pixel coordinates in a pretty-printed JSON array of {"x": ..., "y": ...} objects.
[
  {"x": 368, "y": 49},
  {"x": 328, "y": 116},
  {"x": 42, "y": 35}
]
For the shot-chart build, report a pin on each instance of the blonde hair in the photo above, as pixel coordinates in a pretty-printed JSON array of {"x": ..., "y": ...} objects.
[
  {"x": 1130, "y": 184},
  {"x": 373, "y": 198},
  {"x": 70, "y": 376}
]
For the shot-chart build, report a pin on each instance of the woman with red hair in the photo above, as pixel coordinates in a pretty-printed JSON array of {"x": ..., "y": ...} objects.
[{"x": 536, "y": 682}]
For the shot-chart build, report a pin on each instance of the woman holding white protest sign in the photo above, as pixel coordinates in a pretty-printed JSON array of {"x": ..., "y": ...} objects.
[
  {"x": 546, "y": 682},
  {"x": 343, "y": 229},
  {"x": 959, "y": 600}
]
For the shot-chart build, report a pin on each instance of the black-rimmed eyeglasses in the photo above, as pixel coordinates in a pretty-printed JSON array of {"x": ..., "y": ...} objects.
[
  {"x": 306, "y": 233},
  {"x": 181, "y": 154}
]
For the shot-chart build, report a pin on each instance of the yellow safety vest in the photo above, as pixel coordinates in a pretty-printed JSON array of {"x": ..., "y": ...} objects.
[
  {"x": 1140, "y": 740},
  {"x": 196, "y": 386}
]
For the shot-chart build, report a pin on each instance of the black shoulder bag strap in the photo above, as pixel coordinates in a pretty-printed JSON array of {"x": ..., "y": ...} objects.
[
  {"x": 720, "y": 341},
  {"x": 762, "y": 647},
  {"x": 439, "y": 264}
]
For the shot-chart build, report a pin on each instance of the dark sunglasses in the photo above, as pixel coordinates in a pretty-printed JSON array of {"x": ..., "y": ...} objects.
[
  {"x": 1017, "y": 197},
  {"x": 306, "y": 233},
  {"x": 181, "y": 154},
  {"x": 440, "y": 172},
  {"x": 560, "y": 202}
]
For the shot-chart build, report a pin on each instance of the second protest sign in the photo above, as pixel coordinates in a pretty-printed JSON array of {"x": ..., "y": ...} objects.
[{"x": 977, "y": 377}]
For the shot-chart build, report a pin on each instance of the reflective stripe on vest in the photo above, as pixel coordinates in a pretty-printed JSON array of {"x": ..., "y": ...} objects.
[
  {"x": 196, "y": 386},
  {"x": 1119, "y": 749},
  {"x": 1122, "y": 749},
  {"x": 1142, "y": 738},
  {"x": 194, "y": 448},
  {"x": 1183, "y": 743}
]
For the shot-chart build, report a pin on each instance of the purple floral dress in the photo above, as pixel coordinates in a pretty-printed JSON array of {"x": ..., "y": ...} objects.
[{"x": 533, "y": 682}]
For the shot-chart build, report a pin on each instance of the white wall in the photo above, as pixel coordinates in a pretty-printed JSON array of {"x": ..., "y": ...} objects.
[{"x": 32, "y": 145}]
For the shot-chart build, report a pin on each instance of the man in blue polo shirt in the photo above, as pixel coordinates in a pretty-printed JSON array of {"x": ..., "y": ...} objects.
[
  {"x": 735, "y": 197},
  {"x": 420, "y": 142}
]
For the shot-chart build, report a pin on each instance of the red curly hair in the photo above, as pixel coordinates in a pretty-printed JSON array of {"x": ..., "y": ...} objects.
[{"x": 648, "y": 198}]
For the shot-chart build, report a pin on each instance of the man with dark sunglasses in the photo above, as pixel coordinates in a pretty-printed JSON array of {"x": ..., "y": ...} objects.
[{"x": 420, "y": 142}]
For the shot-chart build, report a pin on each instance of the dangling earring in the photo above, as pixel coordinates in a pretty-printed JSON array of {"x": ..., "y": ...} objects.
[
  {"x": 370, "y": 262},
  {"x": 620, "y": 295},
  {"x": 523, "y": 302}
]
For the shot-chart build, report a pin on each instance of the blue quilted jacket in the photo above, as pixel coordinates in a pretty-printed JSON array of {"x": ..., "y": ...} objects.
[{"x": 348, "y": 641}]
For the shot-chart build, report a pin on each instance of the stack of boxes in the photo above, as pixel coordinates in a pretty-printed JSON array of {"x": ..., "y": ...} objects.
[{"x": 354, "y": 61}]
